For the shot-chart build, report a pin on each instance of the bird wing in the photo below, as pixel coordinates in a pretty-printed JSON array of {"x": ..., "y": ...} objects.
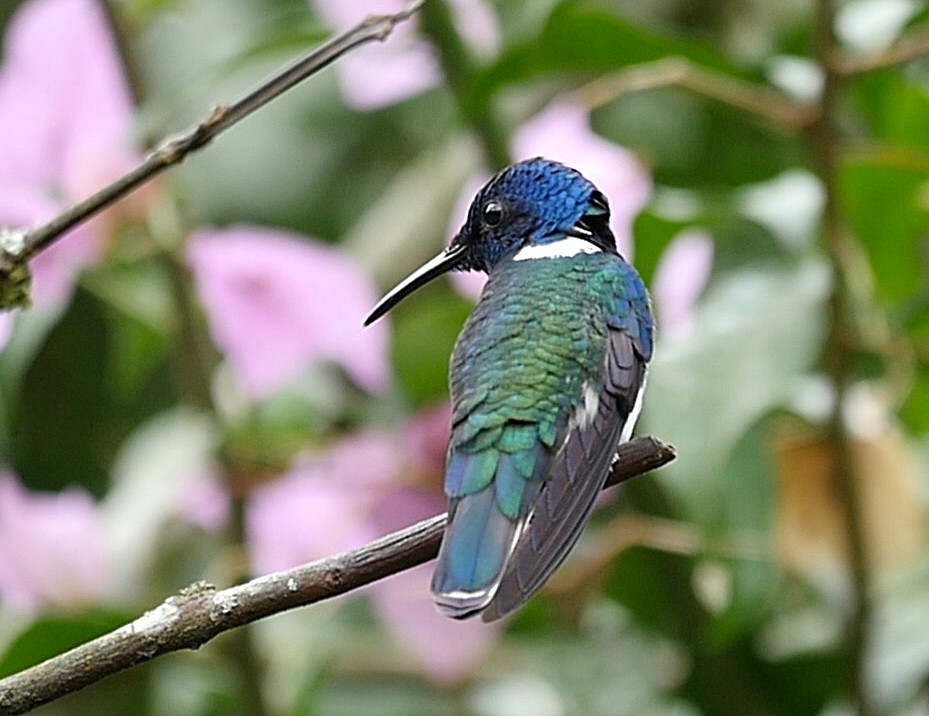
[{"x": 575, "y": 476}]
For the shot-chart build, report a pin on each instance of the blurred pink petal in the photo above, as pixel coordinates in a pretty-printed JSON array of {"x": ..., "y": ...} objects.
[
  {"x": 206, "y": 503},
  {"x": 78, "y": 70},
  {"x": 381, "y": 74},
  {"x": 52, "y": 549},
  {"x": 562, "y": 132},
  {"x": 446, "y": 650},
  {"x": 298, "y": 519},
  {"x": 680, "y": 277},
  {"x": 427, "y": 442},
  {"x": 59, "y": 56},
  {"x": 276, "y": 302},
  {"x": 469, "y": 283},
  {"x": 322, "y": 507},
  {"x": 6, "y": 328},
  {"x": 479, "y": 26}
]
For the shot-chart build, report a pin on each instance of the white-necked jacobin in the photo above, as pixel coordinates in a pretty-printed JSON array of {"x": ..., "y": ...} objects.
[{"x": 546, "y": 380}]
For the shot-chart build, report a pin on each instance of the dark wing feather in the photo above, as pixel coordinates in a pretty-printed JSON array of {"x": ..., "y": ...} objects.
[{"x": 574, "y": 480}]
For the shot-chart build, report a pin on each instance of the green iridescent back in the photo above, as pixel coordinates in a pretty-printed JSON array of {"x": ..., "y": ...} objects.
[{"x": 536, "y": 337}]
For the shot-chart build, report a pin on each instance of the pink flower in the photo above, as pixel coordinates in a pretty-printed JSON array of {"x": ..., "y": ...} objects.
[
  {"x": 276, "y": 302},
  {"x": 426, "y": 442},
  {"x": 562, "y": 132},
  {"x": 52, "y": 551},
  {"x": 446, "y": 650},
  {"x": 366, "y": 486},
  {"x": 680, "y": 277},
  {"x": 6, "y": 328},
  {"x": 381, "y": 74},
  {"x": 65, "y": 125},
  {"x": 205, "y": 503},
  {"x": 322, "y": 506}
]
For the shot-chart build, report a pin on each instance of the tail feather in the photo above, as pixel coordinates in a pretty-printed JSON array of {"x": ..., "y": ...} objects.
[{"x": 473, "y": 555}]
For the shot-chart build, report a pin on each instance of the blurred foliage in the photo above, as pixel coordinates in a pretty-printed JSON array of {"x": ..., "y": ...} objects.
[{"x": 706, "y": 608}]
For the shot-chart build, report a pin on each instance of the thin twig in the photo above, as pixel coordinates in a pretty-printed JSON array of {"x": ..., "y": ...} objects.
[
  {"x": 193, "y": 617},
  {"x": 908, "y": 48},
  {"x": 680, "y": 72},
  {"x": 223, "y": 116},
  {"x": 660, "y": 534}
]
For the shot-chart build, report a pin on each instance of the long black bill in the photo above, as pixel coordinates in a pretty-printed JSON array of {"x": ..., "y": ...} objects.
[{"x": 434, "y": 268}]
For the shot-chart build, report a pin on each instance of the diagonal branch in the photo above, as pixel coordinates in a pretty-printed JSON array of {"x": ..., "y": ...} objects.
[
  {"x": 755, "y": 99},
  {"x": 17, "y": 247},
  {"x": 193, "y": 617},
  {"x": 911, "y": 46}
]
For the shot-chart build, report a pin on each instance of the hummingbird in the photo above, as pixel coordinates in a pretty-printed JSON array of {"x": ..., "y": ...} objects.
[{"x": 546, "y": 380}]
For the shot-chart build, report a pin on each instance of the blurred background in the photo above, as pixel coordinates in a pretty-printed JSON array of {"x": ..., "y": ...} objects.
[{"x": 191, "y": 396}]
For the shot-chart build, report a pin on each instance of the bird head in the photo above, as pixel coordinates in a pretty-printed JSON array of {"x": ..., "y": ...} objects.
[{"x": 531, "y": 203}]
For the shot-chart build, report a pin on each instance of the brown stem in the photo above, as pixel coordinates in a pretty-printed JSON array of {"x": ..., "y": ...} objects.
[
  {"x": 459, "y": 69},
  {"x": 840, "y": 250},
  {"x": 121, "y": 42},
  {"x": 761, "y": 101},
  {"x": 909, "y": 47},
  {"x": 193, "y": 617}
]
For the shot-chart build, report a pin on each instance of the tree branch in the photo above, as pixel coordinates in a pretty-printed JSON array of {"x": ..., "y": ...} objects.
[
  {"x": 755, "y": 99},
  {"x": 190, "y": 619},
  {"x": 909, "y": 47},
  {"x": 18, "y": 246}
]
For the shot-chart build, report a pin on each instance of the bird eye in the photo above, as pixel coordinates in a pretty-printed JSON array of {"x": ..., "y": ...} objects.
[{"x": 492, "y": 213}]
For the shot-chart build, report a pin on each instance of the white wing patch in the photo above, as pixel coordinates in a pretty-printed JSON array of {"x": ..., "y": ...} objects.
[
  {"x": 563, "y": 248},
  {"x": 633, "y": 417},
  {"x": 586, "y": 411}
]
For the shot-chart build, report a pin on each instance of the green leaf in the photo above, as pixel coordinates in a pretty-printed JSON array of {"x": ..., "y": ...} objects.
[
  {"x": 757, "y": 329},
  {"x": 583, "y": 38},
  {"x": 895, "y": 106},
  {"x": 423, "y": 342},
  {"x": 640, "y": 575},
  {"x": 579, "y": 36},
  {"x": 652, "y": 235},
  {"x": 915, "y": 410},
  {"x": 692, "y": 141},
  {"x": 62, "y": 418},
  {"x": 50, "y": 636},
  {"x": 887, "y": 208},
  {"x": 612, "y": 667},
  {"x": 743, "y": 524}
]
